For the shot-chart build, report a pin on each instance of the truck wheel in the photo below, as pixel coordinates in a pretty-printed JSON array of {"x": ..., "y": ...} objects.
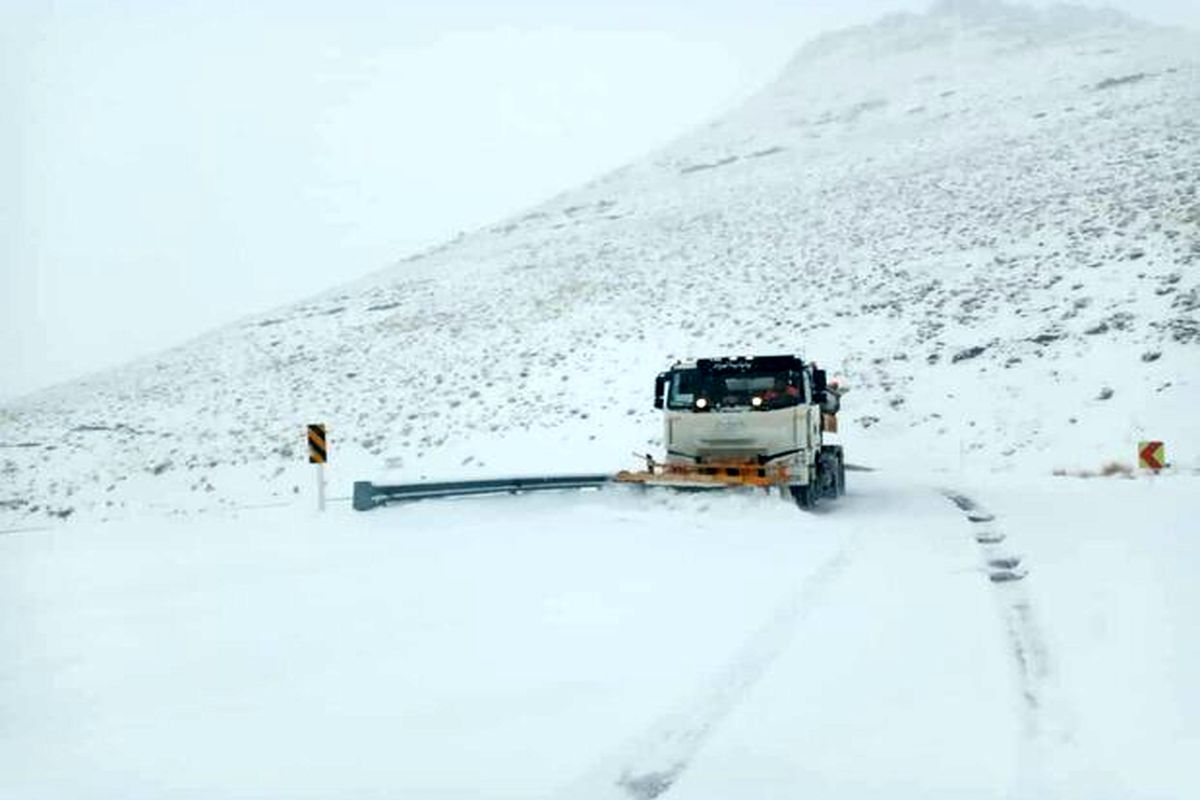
[
  {"x": 805, "y": 496},
  {"x": 837, "y": 474},
  {"x": 825, "y": 479},
  {"x": 832, "y": 470}
]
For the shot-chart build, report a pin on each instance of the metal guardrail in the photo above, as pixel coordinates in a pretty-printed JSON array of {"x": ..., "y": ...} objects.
[{"x": 368, "y": 495}]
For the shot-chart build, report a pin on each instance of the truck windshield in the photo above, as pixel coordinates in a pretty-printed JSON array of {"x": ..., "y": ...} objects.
[
  {"x": 734, "y": 389},
  {"x": 684, "y": 386}
]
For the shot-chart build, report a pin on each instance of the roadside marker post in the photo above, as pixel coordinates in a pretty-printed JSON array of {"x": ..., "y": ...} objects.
[
  {"x": 318, "y": 454},
  {"x": 1152, "y": 455}
]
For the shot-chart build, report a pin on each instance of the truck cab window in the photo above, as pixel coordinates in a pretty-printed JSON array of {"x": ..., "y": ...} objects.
[{"x": 684, "y": 383}]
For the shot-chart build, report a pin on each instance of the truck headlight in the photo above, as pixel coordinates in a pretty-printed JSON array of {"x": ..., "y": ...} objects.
[
  {"x": 701, "y": 402},
  {"x": 756, "y": 401}
]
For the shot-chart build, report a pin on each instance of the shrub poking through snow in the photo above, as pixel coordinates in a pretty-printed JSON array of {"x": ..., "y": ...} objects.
[{"x": 1110, "y": 469}]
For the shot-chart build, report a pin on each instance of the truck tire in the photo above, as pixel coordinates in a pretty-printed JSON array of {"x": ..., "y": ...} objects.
[
  {"x": 805, "y": 496},
  {"x": 838, "y": 465},
  {"x": 830, "y": 472}
]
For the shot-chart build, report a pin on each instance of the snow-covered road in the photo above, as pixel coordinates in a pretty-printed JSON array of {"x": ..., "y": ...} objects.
[{"x": 613, "y": 644}]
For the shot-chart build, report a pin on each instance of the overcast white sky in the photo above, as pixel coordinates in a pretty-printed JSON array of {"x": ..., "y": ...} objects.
[{"x": 167, "y": 167}]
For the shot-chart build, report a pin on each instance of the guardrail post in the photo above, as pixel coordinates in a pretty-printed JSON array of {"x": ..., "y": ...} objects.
[{"x": 364, "y": 496}]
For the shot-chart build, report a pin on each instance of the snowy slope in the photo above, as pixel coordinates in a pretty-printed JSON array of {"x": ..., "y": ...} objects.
[{"x": 983, "y": 217}]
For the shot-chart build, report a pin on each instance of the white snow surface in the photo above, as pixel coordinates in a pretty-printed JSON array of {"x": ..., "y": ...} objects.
[
  {"x": 612, "y": 645},
  {"x": 984, "y": 218},
  {"x": 981, "y": 218}
]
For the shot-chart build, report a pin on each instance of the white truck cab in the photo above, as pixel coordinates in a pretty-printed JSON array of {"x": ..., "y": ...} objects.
[{"x": 770, "y": 411}]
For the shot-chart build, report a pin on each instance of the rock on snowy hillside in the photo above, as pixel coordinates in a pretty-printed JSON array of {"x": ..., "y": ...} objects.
[{"x": 985, "y": 217}]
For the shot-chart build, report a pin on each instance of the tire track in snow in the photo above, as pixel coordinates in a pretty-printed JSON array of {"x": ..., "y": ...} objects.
[
  {"x": 660, "y": 756},
  {"x": 1031, "y": 657}
]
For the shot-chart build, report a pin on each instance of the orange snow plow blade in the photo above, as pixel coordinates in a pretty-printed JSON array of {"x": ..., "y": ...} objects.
[{"x": 715, "y": 474}]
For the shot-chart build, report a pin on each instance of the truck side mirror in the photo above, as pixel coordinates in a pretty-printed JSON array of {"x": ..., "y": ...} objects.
[
  {"x": 660, "y": 384},
  {"x": 819, "y": 382}
]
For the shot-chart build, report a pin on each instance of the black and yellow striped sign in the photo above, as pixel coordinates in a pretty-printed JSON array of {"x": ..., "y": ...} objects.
[{"x": 318, "y": 451}]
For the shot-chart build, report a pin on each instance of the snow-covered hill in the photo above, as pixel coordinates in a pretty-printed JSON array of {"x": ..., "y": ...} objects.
[{"x": 985, "y": 218}]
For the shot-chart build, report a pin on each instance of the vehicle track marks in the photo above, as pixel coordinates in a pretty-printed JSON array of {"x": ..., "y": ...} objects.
[
  {"x": 1031, "y": 658},
  {"x": 657, "y": 758}
]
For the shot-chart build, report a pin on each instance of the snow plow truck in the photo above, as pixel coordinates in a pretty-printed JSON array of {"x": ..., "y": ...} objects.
[
  {"x": 759, "y": 421},
  {"x": 748, "y": 421}
]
